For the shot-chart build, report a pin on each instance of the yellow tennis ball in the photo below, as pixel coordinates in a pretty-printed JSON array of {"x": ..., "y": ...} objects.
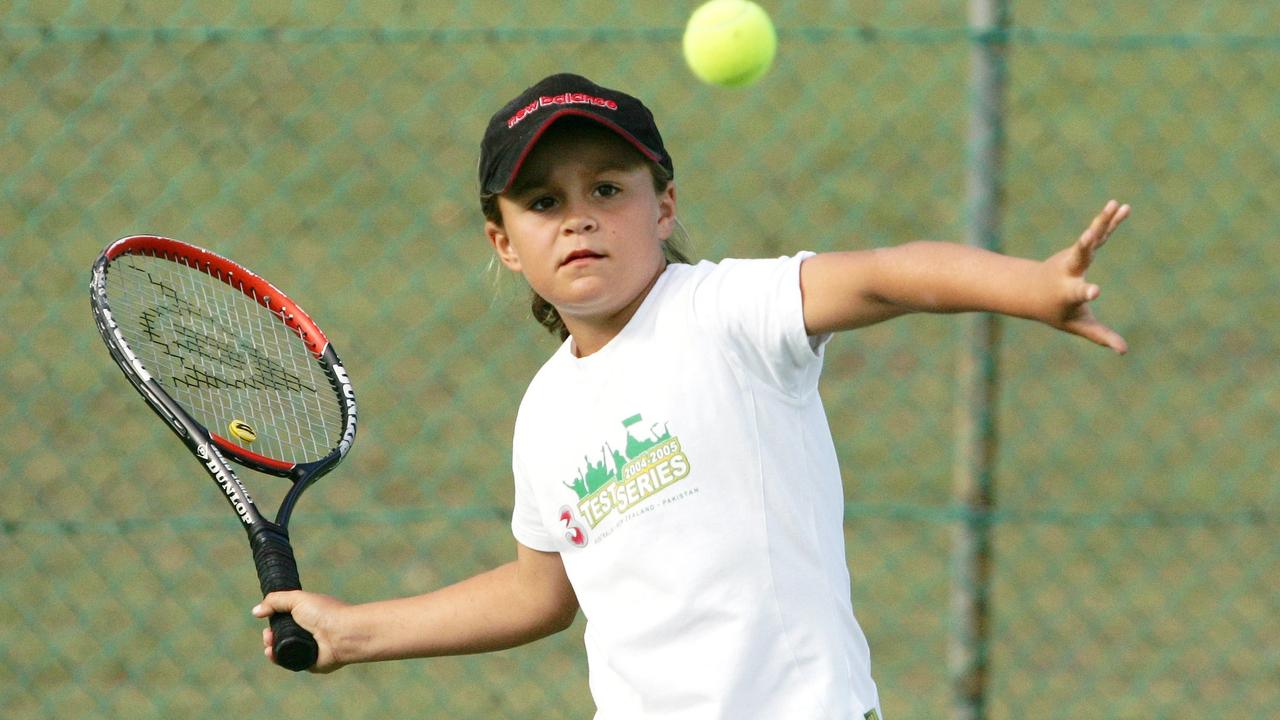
[{"x": 730, "y": 42}]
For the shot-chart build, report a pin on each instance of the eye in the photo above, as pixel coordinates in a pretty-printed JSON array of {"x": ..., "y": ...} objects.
[
  {"x": 607, "y": 190},
  {"x": 542, "y": 203}
]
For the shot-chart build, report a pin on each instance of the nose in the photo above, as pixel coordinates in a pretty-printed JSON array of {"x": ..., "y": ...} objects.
[{"x": 579, "y": 220}]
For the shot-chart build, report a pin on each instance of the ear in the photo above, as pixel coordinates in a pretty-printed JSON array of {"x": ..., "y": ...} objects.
[
  {"x": 667, "y": 211},
  {"x": 502, "y": 245}
]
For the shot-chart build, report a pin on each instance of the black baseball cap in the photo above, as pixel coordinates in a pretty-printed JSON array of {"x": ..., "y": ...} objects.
[{"x": 515, "y": 129}]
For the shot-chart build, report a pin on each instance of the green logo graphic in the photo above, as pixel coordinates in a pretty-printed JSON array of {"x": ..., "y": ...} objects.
[{"x": 621, "y": 479}]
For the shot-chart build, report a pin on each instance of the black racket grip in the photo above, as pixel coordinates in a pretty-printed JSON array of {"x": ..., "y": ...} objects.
[{"x": 294, "y": 646}]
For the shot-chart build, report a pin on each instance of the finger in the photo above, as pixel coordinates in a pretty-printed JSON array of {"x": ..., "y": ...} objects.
[
  {"x": 1116, "y": 218},
  {"x": 1082, "y": 251},
  {"x": 1122, "y": 212},
  {"x": 1098, "y": 227},
  {"x": 1093, "y": 238},
  {"x": 268, "y": 645}
]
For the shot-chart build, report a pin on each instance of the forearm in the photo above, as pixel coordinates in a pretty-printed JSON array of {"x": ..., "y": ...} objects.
[
  {"x": 948, "y": 278},
  {"x": 848, "y": 290},
  {"x": 495, "y": 610}
]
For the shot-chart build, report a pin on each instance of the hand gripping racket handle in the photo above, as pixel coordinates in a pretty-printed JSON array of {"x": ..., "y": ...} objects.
[{"x": 294, "y": 647}]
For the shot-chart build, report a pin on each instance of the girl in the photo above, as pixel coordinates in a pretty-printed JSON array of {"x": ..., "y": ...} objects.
[{"x": 675, "y": 477}]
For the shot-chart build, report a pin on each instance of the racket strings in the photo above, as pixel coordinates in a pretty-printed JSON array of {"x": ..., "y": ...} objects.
[{"x": 226, "y": 358}]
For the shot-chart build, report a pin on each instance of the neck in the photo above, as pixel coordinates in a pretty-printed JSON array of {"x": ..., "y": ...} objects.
[{"x": 590, "y": 334}]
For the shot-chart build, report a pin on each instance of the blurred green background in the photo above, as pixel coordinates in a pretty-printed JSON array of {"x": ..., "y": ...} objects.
[{"x": 332, "y": 148}]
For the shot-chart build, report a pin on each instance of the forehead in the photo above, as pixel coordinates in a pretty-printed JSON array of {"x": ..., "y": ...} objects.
[{"x": 578, "y": 143}]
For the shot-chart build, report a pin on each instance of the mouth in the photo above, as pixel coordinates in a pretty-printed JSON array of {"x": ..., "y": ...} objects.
[{"x": 580, "y": 257}]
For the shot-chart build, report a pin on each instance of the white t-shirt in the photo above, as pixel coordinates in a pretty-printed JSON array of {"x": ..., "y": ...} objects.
[{"x": 686, "y": 475}]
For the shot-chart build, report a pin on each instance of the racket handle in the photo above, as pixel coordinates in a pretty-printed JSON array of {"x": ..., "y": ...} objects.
[{"x": 294, "y": 646}]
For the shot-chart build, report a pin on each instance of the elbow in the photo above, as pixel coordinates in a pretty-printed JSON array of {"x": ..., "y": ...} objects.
[
  {"x": 553, "y": 612},
  {"x": 562, "y": 616},
  {"x": 550, "y": 621},
  {"x": 563, "y": 622}
]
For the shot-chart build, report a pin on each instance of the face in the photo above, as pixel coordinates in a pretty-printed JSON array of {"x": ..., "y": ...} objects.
[{"x": 585, "y": 226}]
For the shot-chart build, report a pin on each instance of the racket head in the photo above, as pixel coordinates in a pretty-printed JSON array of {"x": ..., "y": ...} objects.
[{"x": 234, "y": 353}]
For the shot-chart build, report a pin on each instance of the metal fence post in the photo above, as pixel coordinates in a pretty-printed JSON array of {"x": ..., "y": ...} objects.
[{"x": 976, "y": 436}]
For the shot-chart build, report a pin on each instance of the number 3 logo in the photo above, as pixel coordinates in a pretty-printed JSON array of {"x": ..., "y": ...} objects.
[{"x": 573, "y": 530}]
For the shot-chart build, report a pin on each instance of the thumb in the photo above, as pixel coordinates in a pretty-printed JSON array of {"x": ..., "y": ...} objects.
[
  {"x": 277, "y": 602},
  {"x": 1100, "y": 334}
]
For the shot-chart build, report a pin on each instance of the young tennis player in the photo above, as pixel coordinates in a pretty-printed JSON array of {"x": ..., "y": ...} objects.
[{"x": 675, "y": 477}]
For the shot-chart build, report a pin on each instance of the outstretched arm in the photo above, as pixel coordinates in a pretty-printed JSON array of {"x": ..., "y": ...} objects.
[
  {"x": 513, "y": 604},
  {"x": 848, "y": 290}
]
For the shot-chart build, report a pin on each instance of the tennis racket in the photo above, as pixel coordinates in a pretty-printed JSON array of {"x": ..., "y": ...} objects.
[{"x": 238, "y": 371}]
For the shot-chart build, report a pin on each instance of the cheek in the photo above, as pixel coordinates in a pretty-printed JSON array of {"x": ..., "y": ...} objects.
[{"x": 651, "y": 258}]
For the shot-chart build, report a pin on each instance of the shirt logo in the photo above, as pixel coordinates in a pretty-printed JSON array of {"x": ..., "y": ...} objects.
[{"x": 651, "y": 461}]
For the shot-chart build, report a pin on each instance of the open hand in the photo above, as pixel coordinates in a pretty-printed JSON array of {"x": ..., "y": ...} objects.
[{"x": 1074, "y": 315}]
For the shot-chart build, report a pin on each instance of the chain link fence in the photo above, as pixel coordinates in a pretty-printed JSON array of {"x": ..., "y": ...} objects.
[{"x": 1135, "y": 558}]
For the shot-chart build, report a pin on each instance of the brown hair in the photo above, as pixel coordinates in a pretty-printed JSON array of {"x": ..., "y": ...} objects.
[{"x": 544, "y": 312}]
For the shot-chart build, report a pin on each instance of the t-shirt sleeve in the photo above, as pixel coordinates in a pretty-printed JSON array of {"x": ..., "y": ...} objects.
[
  {"x": 755, "y": 309},
  {"x": 526, "y": 521}
]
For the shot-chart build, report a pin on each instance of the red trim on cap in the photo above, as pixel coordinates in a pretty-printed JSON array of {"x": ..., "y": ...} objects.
[
  {"x": 231, "y": 273},
  {"x": 537, "y": 135}
]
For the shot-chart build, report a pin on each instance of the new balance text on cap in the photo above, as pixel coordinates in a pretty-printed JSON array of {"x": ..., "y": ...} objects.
[{"x": 514, "y": 130}]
